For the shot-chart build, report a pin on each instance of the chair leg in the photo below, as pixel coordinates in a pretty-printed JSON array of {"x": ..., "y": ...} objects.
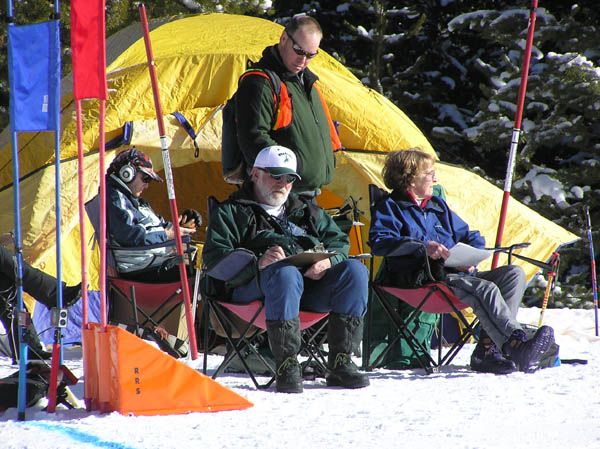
[
  {"x": 247, "y": 335},
  {"x": 312, "y": 347},
  {"x": 402, "y": 325},
  {"x": 366, "y": 349}
]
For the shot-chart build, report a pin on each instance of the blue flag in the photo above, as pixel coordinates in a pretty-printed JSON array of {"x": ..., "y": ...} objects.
[{"x": 34, "y": 76}]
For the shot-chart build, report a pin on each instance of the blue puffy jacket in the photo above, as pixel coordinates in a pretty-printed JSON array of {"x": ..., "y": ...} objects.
[
  {"x": 131, "y": 221},
  {"x": 395, "y": 218}
]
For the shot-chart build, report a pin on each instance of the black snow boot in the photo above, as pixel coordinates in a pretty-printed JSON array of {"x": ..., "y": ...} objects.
[
  {"x": 30, "y": 336},
  {"x": 284, "y": 340},
  {"x": 43, "y": 288},
  {"x": 340, "y": 333},
  {"x": 36, "y": 283}
]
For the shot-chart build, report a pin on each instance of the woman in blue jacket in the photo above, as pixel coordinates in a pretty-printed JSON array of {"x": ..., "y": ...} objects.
[{"x": 411, "y": 212}]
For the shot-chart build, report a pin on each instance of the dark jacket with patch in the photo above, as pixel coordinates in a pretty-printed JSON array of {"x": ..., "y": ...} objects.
[
  {"x": 240, "y": 222},
  {"x": 308, "y": 136}
]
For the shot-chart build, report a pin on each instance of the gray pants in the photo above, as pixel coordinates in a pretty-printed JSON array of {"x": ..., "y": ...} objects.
[{"x": 494, "y": 296}]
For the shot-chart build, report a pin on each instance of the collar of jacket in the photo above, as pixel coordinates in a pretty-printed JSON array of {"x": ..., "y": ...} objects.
[
  {"x": 119, "y": 185},
  {"x": 272, "y": 60},
  {"x": 406, "y": 202}
]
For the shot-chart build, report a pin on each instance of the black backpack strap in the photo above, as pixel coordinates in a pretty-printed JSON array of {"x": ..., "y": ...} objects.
[
  {"x": 274, "y": 81},
  {"x": 188, "y": 127}
]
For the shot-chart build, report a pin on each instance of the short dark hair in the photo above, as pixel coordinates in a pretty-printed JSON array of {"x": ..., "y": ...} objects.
[
  {"x": 402, "y": 167},
  {"x": 302, "y": 21}
]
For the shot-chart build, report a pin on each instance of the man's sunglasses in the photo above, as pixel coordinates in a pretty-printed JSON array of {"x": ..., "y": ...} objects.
[
  {"x": 298, "y": 49},
  {"x": 289, "y": 179}
]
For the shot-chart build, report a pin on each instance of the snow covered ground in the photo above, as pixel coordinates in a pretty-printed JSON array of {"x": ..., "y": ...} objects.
[{"x": 553, "y": 408}]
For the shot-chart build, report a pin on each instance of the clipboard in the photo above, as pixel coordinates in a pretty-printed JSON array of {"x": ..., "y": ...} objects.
[{"x": 307, "y": 258}]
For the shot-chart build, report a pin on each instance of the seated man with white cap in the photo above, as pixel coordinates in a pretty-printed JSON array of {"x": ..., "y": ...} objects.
[{"x": 267, "y": 219}]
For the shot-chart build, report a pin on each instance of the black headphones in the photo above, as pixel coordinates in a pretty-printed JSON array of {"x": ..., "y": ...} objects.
[{"x": 127, "y": 172}]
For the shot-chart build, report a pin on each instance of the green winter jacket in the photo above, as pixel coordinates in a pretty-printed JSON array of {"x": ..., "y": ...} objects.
[
  {"x": 240, "y": 222},
  {"x": 308, "y": 135}
]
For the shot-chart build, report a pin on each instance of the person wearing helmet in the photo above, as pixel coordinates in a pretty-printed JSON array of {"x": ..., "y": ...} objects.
[{"x": 132, "y": 222}]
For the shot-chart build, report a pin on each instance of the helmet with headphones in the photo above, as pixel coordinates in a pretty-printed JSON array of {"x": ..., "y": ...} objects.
[{"x": 127, "y": 164}]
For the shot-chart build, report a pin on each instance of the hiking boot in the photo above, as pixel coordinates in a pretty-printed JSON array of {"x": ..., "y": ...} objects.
[
  {"x": 344, "y": 373},
  {"x": 289, "y": 377},
  {"x": 527, "y": 353},
  {"x": 487, "y": 358},
  {"x": 70, "y": 295}
]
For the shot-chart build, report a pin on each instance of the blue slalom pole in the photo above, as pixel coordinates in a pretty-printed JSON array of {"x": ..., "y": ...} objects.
[
  {"x": 21, "y": 316},
  {"x": 57, "y": 349}
]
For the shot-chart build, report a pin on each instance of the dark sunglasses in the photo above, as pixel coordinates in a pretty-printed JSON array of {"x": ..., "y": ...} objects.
[
  {"x": 298, "y": 49},
  {"x": 146, "y": 178},
  {"x": 289, "y": 179}
]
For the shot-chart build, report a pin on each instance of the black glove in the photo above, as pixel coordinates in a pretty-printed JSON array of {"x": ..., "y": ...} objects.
[{"x": 191, "y": 214}]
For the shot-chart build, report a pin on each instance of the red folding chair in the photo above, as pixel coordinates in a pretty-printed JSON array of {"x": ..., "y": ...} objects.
[
  {"x": 243, "y": 323},
  {"x": 134, "y": 304},
  {"x": 436, "y": 298}
]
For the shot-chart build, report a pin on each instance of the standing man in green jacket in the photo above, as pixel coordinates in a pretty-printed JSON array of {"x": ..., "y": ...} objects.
[
  {"x": 265, "y": 218},
  {"x": 310, "y": 134}
]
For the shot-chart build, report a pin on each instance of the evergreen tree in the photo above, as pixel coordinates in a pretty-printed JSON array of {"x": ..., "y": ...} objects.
[{"x": 119, "y": 14}]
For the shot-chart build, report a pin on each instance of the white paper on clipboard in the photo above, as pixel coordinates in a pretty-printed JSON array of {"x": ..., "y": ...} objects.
[{"x": 462, "y": 255}]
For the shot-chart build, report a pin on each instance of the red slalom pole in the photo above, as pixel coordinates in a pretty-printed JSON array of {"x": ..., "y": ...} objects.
[
  {"x": 516, "y": 132},
  {"x": 170, "y": 185}
]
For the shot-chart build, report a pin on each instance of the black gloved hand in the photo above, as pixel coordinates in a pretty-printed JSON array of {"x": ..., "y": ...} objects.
[{"x": 191, "y": 214}]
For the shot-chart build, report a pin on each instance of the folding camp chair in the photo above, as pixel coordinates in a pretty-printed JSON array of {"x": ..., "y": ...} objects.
[
  {"x": 136, "y": 304},
  {"x": 434, "y": 297},
  {"x": 242, "y": 324}
]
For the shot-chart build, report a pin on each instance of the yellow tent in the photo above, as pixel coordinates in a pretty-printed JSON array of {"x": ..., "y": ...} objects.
[{"x": 198, "y": 60}]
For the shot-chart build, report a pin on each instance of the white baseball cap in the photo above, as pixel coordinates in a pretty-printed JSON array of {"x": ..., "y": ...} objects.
[{"x": 277, "y": 160}]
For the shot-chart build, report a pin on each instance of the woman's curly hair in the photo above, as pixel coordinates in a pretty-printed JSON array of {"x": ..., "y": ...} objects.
[{"x": 402, "y": 167}]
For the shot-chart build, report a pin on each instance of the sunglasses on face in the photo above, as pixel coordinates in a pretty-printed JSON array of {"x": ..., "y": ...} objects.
[
  {"x": 298, "y": 49},
  {"x": 146, "y": 178},
  {"x": 288, "y": 179}
]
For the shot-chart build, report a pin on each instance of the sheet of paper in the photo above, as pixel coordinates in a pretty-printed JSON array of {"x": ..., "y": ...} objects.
[{"x": 463, "y": 255}]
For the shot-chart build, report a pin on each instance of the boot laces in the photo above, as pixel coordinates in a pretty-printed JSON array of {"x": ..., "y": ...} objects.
[
  {"x": 287, "y": 365},
  {"x": 342, "y": 360}
]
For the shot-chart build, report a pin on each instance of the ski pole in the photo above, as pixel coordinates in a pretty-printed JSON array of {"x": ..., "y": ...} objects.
[
  {"x": 169, "y": 178},
  {"x": 516, "y": 130},
  {"x": 552, "y": 274},
  {"x": 592, "y": 265}
]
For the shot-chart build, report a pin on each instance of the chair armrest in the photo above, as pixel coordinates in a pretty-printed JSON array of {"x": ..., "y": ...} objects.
[
  {"x": 407, "y": 247},
  {"x": 412, "y": 247},
  {"x": 230, "y": 265},
  {"x": 186, "y": 239}
]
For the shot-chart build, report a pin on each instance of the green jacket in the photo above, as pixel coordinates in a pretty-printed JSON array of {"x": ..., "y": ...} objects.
[
  {"x": 240, "y": 222},
  {"x": 308, "y": 135}
]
